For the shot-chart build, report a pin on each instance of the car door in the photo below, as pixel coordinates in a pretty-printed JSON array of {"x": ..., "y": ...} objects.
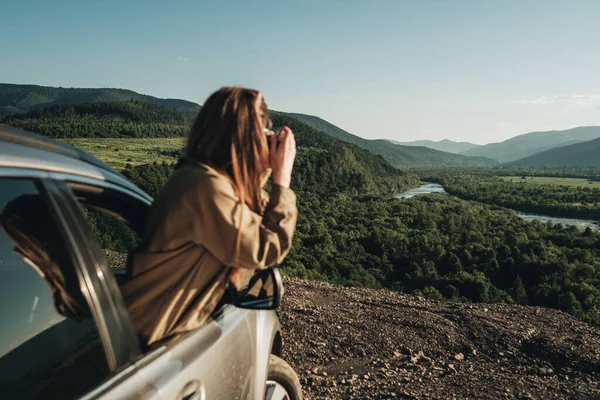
[
  {"x": 53, "y": 343},
  {"x": 215, "y": 361}
]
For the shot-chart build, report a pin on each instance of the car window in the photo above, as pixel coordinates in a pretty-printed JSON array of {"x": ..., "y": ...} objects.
[
  {"x": 116, "y": 219},
  {"x": 49, "y": 344}
]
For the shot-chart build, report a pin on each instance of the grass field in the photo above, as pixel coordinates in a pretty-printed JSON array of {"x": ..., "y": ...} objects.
[
  {"x": 544, "y": 180},
  {"x": 120, "y": 152}
]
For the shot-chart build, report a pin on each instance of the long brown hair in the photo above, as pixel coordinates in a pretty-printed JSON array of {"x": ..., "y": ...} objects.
[{"x": 228, "y": 135}]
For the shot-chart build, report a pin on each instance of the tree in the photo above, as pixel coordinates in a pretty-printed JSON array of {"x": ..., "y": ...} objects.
[{"x": 518, "y": 291}]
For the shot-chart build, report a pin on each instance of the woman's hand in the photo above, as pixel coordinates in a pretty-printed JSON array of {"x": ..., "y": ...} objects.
[{"x": 282, "y": 154}]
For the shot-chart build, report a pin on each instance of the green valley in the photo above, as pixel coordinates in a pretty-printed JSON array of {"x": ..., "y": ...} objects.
[
  {"x": 352, "y": 231},
  {"x": 120, "y": 152},
  {"x": 551, "y": 180}
]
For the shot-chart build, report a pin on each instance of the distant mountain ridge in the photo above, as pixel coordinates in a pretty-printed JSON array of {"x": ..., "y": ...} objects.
[
  {"x": 397, "y": 155},
  {"x": 19, "y": 99},
  {"x": 528, "y": 144},
  {"x": 16, "y": 98},
  {"x": 583, "y": 154},
  {"x": 449, "y": 146}
]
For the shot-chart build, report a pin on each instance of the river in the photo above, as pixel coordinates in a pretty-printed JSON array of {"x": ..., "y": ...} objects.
[{"x": 428, "y": 187}]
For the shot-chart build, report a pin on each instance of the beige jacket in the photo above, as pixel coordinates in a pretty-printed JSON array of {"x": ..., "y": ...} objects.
[{"x": 181, "y": 272}]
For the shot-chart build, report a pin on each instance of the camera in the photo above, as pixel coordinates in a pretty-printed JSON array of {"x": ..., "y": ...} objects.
[{"x": 270, "y": 132}]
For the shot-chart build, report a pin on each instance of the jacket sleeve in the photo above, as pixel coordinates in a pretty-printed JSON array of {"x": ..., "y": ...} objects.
[{"x": 265, "y": 239}]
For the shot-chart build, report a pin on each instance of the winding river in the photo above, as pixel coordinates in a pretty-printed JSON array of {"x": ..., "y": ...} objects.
[{"x": 428, "y": 187}]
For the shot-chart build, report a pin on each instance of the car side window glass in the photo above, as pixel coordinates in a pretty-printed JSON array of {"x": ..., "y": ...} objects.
[{"x": 50, "y": 346}]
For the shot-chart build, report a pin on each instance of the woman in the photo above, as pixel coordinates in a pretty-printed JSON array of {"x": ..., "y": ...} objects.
[{"x": 211, "y": 218}]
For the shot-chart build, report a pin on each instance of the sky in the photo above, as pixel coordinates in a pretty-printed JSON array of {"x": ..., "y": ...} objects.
[{"x": 467, "y": 70}]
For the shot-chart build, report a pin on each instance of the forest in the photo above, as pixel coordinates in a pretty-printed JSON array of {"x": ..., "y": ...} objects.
[
  {"x": 522, "y": 195},
  {"x": 436, "y": 246},
  {"x": 351, "y": 231},
  {"x": 132, "y": 119}
]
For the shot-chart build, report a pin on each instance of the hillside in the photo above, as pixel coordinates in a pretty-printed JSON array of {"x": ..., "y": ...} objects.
[
  {"x": 582, "y": 154},
  {"x": 397, "y": 155},
  {"x": 528, "y": 144},
  {"x": 449, "y": 146},
  {"x": 386, "y": 345},
  {"x": 16, "y": 99},
  {"x": 129, "y": 119}
]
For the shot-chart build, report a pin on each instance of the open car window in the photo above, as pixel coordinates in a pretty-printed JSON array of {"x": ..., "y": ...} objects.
[{"x": 116, "y": 220}]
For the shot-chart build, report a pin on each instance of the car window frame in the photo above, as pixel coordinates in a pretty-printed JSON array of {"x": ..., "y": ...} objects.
[
  {"x": 123, "y": 336},
  {"x": 120, "y": 330}
]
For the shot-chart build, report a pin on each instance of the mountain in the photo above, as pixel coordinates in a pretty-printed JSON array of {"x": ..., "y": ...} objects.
[
  {"x": 395, "y": 154},
  {"x": 446, "y": 145},
  {"x": 583, "y": 154},
  {"x": 324, "y": 162},
  {"x": 16, "y": 99},
  {"x": 528, "y": 144}
]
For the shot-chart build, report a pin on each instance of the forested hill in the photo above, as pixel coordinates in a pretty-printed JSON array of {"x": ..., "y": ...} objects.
[
  {"x": 16, "y": 99},
  {"x": 104, "y": 119},
  {"x": 584, "y": 154},
  {"x": 326, "y": 164},
  {"x": 395, "y": 154},
  {"x": 528, "y": 144}
]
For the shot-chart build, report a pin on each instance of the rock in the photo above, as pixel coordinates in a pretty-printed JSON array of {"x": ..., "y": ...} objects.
[{"x": 459, "y": 356}]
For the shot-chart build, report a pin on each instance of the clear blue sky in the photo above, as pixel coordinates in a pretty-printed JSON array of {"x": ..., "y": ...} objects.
[{"x": 475, "y": 70}]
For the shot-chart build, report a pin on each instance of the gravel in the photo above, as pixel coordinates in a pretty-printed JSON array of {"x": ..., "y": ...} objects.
[{"x": 350, "y": 343}]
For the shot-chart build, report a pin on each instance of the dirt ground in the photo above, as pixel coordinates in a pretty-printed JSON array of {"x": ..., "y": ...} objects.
[{"x": 348, "y": 343}]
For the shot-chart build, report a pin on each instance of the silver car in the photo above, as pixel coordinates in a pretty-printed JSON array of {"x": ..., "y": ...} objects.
[{"x": 67, "y": 222}]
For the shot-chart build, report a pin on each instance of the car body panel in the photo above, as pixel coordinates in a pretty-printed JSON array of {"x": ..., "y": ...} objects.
[
  {"x": 225, "y": 358},
  {"x": 21, "y": 157}
]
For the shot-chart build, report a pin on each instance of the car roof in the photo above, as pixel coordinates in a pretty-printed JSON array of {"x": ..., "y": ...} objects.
[{"x": 26, "y": 150}]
